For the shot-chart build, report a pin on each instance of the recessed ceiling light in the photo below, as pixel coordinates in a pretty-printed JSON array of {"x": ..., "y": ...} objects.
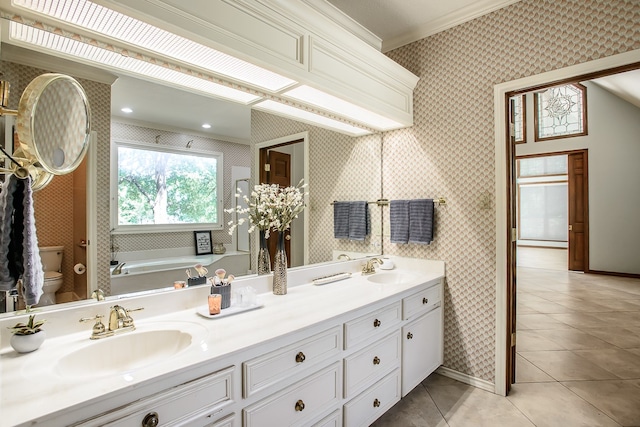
[
  {"x": 206, "y": 126},
  {"x": 126, "y": 110}
]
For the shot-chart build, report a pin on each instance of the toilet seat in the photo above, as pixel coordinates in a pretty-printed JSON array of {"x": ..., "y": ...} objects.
[{"x": 52, "y": 275}]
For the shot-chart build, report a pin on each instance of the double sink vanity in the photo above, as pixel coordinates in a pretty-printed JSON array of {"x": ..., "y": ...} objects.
[{"x": 339, "y": 354}]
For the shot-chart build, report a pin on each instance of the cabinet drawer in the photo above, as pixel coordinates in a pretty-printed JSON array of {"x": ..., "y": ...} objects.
[
  {"x": 333, "y": 420},
  {"x": 364, "y": 368},
  {"x": 372, "y": 324},
  {"x": 422, "y": 301},
  {"x": 371, "y": 404},
  {"x": 228, "y": 421},
  {"x": 268, "y": 369},
  {"x": 300, "y": 403},
  {"x": 192, "y": 404}
]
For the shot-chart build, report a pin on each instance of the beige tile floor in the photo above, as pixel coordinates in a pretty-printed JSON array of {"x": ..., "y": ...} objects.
[{"x": 578, "y": 361}]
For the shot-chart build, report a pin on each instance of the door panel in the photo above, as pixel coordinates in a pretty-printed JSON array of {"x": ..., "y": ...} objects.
[
  {"x": 578, "y": 211},
  {"x": 511, "y": 250},
  {"x": 279, "y": 173}
]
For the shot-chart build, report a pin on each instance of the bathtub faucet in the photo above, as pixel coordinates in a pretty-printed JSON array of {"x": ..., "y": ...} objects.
[{"x": 118, "y": 268}]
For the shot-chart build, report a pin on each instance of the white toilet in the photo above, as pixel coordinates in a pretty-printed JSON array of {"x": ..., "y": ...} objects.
[{"x": 52, "y": 265}]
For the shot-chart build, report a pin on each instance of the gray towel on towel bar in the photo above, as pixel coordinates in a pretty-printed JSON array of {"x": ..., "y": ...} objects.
[
  {"x": 399, "y": 218},
  {"x": 19, "y": 252},
  {"x": 358, "y": 220},
  {"x": 341, "y": 220},
  {"x": 421, "y": 221}
]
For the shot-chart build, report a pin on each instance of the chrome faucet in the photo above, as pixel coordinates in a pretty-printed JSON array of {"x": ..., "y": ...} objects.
[
  {"x": 118, "y": 269},
  {"x": 119, "y": 321},
  {"x": 369, "y": 267}
]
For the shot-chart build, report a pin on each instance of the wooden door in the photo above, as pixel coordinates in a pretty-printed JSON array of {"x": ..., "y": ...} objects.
[
  {"x": 511, "y": 249},
  {"x": 277, "y": 172},
  {"x": 578, "y": 212}
]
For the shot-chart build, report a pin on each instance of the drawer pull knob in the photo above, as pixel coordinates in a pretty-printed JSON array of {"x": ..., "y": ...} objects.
[
  {"x": 376, "y": 403},
  {"x": 409, "y": 336},
  {"x": 425, "y": 300},
  {"x": 299, "y": 406},
  {"x": 300, "y": 357},
  {"x": 151, "y": 420},
  {"x": 376, "y": 360},
  {"x": 376, "y": 323}
]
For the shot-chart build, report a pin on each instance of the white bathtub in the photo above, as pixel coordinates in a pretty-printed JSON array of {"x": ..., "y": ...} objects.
[{"x": 157, "y": 273}]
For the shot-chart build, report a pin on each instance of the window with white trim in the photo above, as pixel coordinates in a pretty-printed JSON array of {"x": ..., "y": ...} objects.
[{"x": 158, "y": 188}]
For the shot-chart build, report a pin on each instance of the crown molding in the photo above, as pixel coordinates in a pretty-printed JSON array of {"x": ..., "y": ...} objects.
[
  {"x": 331, "y": 12},
  {"x": 453, "y": 19}
]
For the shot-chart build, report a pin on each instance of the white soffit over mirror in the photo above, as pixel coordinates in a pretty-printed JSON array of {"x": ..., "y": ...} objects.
[{"x": 97, "y": 35}]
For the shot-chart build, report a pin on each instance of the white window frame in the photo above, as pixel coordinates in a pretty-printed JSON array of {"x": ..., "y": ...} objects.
[{"x": 162, "y": 228}]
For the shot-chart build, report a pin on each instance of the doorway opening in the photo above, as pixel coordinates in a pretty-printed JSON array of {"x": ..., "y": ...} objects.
[
  {"x": 506, "y": 220},
  {"x": 285, "y": 161}
]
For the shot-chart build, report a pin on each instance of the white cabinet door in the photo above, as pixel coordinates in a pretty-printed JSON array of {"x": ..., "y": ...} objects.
[{"x": 422, "y": 349}]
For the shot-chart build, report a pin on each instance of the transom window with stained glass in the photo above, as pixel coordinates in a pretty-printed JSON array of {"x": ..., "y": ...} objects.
[{"x": 560, "y": 112}]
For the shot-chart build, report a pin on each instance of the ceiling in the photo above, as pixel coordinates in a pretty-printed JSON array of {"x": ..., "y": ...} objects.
[
  {"x": 399, "y": 22},
  {"x": 177, "y": 109}
]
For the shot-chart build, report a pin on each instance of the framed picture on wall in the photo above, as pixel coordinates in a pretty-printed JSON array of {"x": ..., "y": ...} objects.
[{"x": 203, "y": 242}]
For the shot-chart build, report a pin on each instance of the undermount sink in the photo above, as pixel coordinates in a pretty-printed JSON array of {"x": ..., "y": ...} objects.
[
  {"x": 122, "y": 353},
  {"x": 391, "y": 277}
]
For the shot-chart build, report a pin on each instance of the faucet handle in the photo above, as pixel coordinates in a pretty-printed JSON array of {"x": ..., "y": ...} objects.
[
  {"x": 128, "y": 321},
  {"x": 98, "y": 328}
]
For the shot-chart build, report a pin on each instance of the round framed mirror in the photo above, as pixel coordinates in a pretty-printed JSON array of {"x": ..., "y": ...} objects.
[{"x": 53, "y": 124}]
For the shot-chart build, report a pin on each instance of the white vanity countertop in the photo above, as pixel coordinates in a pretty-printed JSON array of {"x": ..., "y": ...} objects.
[{"x": 31, "y": 388}]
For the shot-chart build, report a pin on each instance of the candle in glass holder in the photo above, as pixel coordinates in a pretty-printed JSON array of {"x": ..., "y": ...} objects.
[{"x": 215, "y": 303}]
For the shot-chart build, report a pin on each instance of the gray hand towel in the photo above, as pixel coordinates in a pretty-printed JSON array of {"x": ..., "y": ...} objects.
[
  {"x": 421, "y": 221},
  {"x": 33, "y": 275},
  {"x": 7, "y": 276},
  {"x": 399, "y": 218},
  {"x": 341, "y": 220},
  {"x": 358, "y": 220},
  {"x": 19, "y": 252}
]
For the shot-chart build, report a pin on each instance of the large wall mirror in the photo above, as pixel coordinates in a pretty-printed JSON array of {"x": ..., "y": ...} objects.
[{"x": 338, "y": 168}]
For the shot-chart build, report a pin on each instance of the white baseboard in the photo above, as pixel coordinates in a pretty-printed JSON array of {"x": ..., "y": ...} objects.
[{"x": 467, "y": 379}]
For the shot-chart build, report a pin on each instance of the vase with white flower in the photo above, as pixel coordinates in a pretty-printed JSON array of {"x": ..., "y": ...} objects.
[{"x": 271, "y": 208}]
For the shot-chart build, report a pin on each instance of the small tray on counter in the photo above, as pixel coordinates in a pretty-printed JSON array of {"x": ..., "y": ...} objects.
[{"x": 234, "y": 309}]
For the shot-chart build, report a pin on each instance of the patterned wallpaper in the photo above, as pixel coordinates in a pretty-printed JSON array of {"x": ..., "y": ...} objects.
[
  {"x": 340, "y": 168},
  {"x": 233, "y": 155},
  {"x": 449, "y": 151},
  {"x": 54, "y": 203}
]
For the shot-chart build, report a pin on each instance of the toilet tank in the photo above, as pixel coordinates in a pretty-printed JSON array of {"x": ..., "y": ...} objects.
[{"x": 51, "y": 257}]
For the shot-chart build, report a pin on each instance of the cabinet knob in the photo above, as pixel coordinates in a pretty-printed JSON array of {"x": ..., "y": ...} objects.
[
  {"x": 376, "y": 403},
  {"x": 299, "y": 405},
  {"x": 409, "y": 335},
  {"x": 150, "y": 420},
  {"x": 376, "y": 323},
  {"x": 376, "y": 360},
  {"x": 300, "y": 357},
  {"x": 425, "y": 300}
]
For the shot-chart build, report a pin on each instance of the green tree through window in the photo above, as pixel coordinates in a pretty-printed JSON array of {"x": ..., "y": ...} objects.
[{"x": 166, "y": 187}]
